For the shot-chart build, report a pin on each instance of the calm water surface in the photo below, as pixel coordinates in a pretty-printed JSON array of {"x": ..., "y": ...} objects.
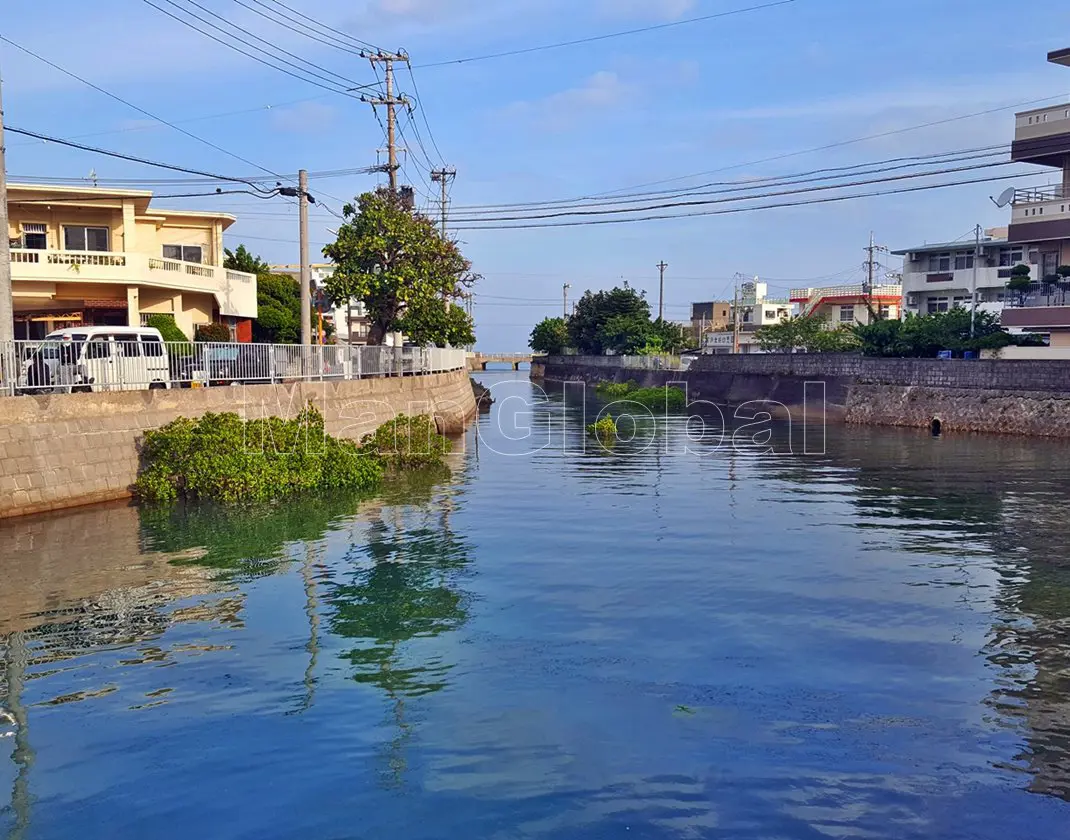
[{"x": 667, "y": 640}]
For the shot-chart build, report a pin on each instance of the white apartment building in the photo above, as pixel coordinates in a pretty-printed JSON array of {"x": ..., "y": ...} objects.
[{"x": 941, "y": 276}]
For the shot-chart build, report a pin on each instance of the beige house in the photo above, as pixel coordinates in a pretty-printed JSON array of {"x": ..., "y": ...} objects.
[
  {"x": 94, "y": 256},
  {"x": 850, "y": 304}
]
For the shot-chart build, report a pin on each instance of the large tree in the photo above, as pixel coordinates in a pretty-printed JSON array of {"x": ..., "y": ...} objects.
[
  {"x": 438, "y": 323},
  {"x": 394, "y": 260},
  {"x": 550, "y": 335},
  {"x": 242, "y": 259},
  {"x": 587, "y": 325}
]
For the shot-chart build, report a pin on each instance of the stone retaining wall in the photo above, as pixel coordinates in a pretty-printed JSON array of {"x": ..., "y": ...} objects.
[
  {"x": 63, "y": 450},
  {"x": 998, "y": 395}
]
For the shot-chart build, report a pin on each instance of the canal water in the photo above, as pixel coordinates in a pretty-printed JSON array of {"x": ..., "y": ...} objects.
[{"x": 688, "y": 635}]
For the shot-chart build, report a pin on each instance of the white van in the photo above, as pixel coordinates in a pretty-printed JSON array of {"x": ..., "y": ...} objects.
[{"x": 109, "y": 359}]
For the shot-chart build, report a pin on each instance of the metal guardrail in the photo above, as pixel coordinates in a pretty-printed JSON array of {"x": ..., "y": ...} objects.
[{"x": 105, "y": 364}]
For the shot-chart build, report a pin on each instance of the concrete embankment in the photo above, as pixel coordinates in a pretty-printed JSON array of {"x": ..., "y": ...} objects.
[
  {"x": 59, "y": 451},
  {"x": 1000, "y": 396}
]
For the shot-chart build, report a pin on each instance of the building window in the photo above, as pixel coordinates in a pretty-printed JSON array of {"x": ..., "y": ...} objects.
[
  {"x": 82, "y": 238},
  {"x": 186, "y": 253},
  {"x": 962, "y": 301},
  {"x": 1010, "y": 257},
  {"x": 34, "y": 236},
  {"x": 939, "y": 262},
  {"x": 963, "y": 260},
  {"x": 847, "y": 314},
  {"x": 885, "y": 311},
  {"x": 936, "y": 304}
]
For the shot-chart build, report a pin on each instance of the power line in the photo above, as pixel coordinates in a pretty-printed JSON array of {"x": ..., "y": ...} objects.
[
  {"x": 319, "y": 24},
  {"x": 749, "y": 197},
  {"x": 338, "y": 80},
  {"x": 592, "y": 39},
  {"x": 137, "y": 108},
  {"x": 423, "y": 112},
  {"x": 838, "y": 144},
  {"x": 289, "y": 23},
  {"x": 173, "y": 167},
  {"x": 253, "y": 56},
  {"x": 733, "y": 210},
  {"x": 738, "y": 186}
]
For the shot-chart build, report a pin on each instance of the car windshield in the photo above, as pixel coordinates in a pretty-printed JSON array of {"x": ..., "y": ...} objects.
[
  {"x": 221, "y": 354},
  {"x": 66, "y": 348}
]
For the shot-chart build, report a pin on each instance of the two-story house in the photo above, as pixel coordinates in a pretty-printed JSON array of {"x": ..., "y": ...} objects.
[{"x": 92, "y": 256}]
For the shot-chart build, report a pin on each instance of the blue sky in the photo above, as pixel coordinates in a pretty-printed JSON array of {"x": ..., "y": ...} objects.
[{"x": 561, "y": 123}]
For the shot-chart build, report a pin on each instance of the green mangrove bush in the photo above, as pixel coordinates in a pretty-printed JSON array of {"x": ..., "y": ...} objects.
[
  {"x": 669, "y": 397},
  {"x": 407, "y": 443},
  {"x": 222, "y": 458},
  {"x": 605, "y": 429}
]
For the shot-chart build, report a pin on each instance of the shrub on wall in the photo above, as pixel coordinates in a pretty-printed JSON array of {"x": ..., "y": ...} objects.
[
  {"x": 213, "y": 332},
  {"x": 222, "y": 458}
]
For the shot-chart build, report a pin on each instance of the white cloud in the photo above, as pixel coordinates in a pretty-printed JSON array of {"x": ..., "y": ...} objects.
[
  {"x": 646, "y": 9},
  {"x": 304, "y": 118},
  {"x": 600, "y": 92}
]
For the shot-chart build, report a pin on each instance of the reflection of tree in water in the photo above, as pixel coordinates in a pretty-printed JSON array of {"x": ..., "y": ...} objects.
[
  {"x": 242, "y": 543},
  {"x": 399, "y": 589}
]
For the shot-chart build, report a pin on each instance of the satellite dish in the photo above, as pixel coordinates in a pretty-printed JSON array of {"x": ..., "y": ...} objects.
[{"x": 1005, "y": 197}]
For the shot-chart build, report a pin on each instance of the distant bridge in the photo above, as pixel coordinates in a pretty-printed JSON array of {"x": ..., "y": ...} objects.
[{"x": 479, "y": 361}]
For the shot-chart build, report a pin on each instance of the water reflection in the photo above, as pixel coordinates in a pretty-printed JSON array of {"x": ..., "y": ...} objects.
[{"x": 675, "y": 637}]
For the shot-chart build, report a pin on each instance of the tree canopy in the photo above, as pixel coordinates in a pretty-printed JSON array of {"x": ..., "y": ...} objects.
[
  {"x": 924, "y": 336},
  {"x": 550, "y": 335},
  {"x": 397, "y": 263},
  {"x": 242, "y": 259},
  {"x": 587, "y": 325},
  {"x": 809, "y": 333}
]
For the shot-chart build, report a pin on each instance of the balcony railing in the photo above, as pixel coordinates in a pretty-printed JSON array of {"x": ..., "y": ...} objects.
[
  {"x": 1039, "y": 294},
  {"x": 1040, "y": 194},
  {"x": 235, "y": 291}
]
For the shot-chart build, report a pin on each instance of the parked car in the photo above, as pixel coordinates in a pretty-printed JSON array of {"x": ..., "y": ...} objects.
[
  {"x": 239, "y": 364},
  {"x": 40, "y": 369},
  {"x": 101, "y": 359}
]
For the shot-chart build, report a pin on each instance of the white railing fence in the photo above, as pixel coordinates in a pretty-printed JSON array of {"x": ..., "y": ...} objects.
[{"x": 105, "y": 363}]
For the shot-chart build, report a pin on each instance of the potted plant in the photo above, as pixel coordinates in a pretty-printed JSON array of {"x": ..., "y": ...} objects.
[{"x": 1020, "y": 282}]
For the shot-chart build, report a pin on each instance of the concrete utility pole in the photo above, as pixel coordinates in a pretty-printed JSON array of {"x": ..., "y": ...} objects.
[
  {"x": 306, "y": 268},
  {"x": 443, "y": 177},
  {"x": 564, "y": 291},
  {"x": 735, "y": 316},
  {"x": 661, "y": 289},
  {"x": 7, "y": 320},
  {"x": 391, "y": 102},
  {"x": 871, "y": 269},
  {"x": 973, "y": 292}
]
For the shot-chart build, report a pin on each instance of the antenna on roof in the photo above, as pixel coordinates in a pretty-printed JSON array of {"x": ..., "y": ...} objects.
[
  {"x": 93, "y": 176},
  {"x": 1005, "y": 197}
]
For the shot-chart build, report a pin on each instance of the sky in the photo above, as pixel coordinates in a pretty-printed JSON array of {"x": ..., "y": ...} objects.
[{"x": 715, "y": 96}]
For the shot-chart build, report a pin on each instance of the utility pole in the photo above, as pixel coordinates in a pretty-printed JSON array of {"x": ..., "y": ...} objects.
[
  {"x": 7, "y": 321},
  {"x": 871, "y": 270},
  {"x": 564, "y": 291},
  {"x": 735, "y": 316},
  {"x": 661, "y": 289},
  {"x": 306, "y": 268},
  {"x": 391, "y": 102},
  {"x": 443, "y": 177},
  {"x": 973, "y": 292}
]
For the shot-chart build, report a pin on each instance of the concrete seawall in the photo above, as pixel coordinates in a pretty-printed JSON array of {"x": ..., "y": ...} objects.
[
  {"x": 59, "y": 451},
  {"x": 998, "y": 396}
]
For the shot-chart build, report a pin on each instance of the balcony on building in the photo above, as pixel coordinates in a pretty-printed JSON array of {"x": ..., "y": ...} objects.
[
  {"x": 1040, "y": 214},
  {"x": 1042, "y": 135},
  {"x": 95, "y": 256},
  {"x": 1040, "y": 308}
]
